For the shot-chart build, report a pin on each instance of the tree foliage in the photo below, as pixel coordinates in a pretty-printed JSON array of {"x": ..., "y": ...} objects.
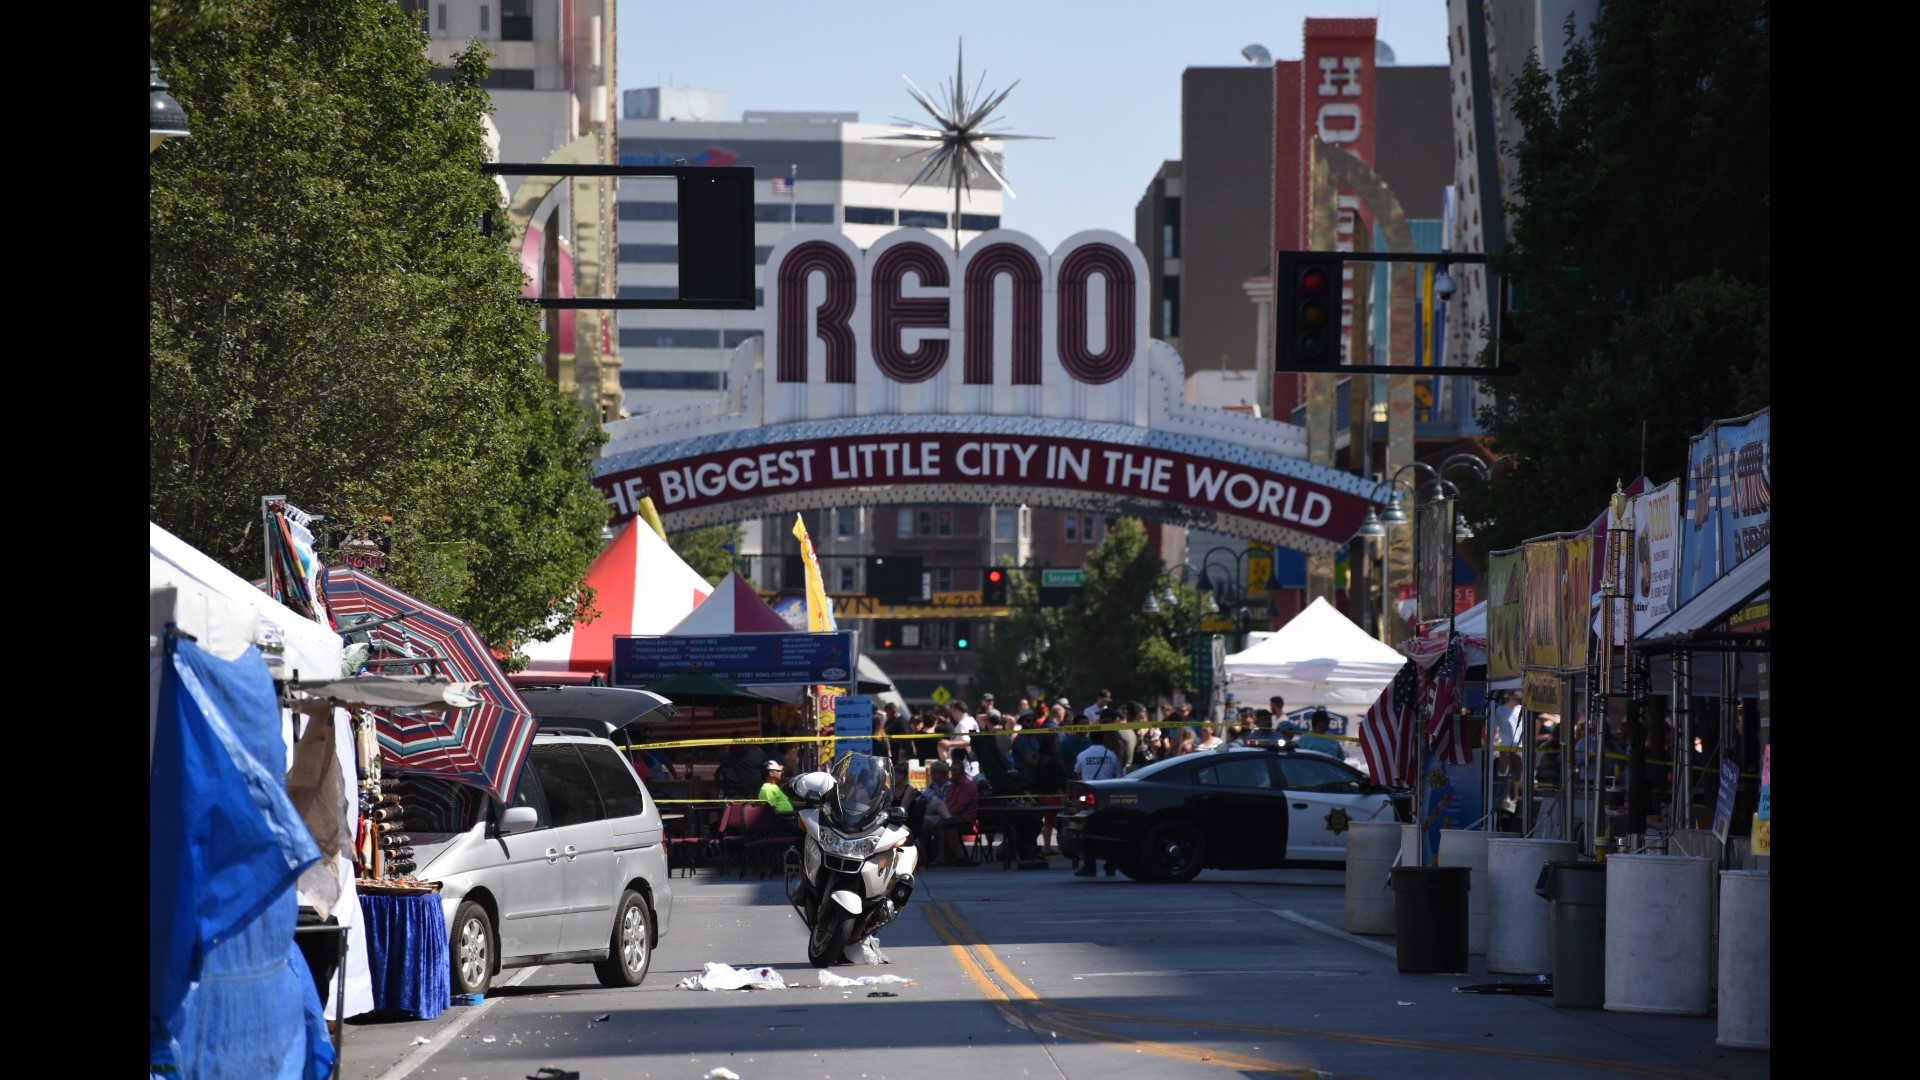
[
  {"x": 328, "y": 321},
  {"x": 712, "y": 552},
  {"x": 1104, "y": 638},
  {"x": 1641, "y": 243}
]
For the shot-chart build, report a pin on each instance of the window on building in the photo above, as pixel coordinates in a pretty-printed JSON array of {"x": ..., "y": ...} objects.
[
  {"x": 731, "y": 338},
  {"x": 779, "y": 213},
  {"x": 516, "y": 20},
  {"x": 944, "y": 526},
  {"x": 649, "y": 292},
  {"x": 1170, "y": 306},
  {"x": 869, "y": 215},
  {"x": 844, "y": 575},
  {"x": 486, "y": 18},
  {"x": 846, "y": 522},
  {"x": 938, "y": 635},
  {"x": 1070, "y": 528},
  {"x": 650, "y": 337},
  {"x": 910, "y": 635},
  {"x": 904, "y": 526},
  {"x": 1006, "y": 523},
  {"x": 649, "y": 211},
  {"x": 979, "y": 222},
  {"x": 440, "y": 18},
  {"x": 649, "y": 253},
  {"x": 673, "y": 380},
  {"x": 923, "y": 219},
  {"x": 942, "y": 579},
  {"x": 923, "y": 521},
  {"x": 1170, "y": 231}
]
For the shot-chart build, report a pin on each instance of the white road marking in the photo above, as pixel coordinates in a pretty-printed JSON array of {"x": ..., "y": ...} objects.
[{"x": 405, "y": 1066}]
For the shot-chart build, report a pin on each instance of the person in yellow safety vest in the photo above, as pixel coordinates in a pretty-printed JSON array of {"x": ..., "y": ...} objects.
[{"x": 770, "y": 792}]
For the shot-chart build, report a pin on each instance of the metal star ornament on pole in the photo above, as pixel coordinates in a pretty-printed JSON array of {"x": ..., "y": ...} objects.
[{"x": 954, "y": 139}]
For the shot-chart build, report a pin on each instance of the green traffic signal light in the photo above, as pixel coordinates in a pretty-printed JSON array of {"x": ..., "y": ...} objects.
[{"x": 962, "y": 643}]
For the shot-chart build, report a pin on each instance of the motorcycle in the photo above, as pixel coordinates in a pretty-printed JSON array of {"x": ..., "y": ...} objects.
[{"x": 852, "y": 872}]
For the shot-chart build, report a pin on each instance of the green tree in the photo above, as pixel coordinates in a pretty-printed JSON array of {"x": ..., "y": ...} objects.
[
  {"x": 1105, "y": 638},
  {"x": 327, "y": 320},
  {"x": 712, "y": 552},
  {"x": 1641, "y": 242}
]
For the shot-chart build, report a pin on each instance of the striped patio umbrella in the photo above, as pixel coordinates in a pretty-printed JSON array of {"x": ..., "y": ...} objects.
[{"x": 484, "y": 745}]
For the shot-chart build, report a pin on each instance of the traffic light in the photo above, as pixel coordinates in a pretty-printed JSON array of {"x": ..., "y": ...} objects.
[
  {"x": 1307, "y": 312},
  {"x": 993, "y": 588}
]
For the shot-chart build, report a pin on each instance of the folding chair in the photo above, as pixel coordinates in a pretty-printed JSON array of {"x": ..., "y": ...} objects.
[{"x": 768, "y": 833}]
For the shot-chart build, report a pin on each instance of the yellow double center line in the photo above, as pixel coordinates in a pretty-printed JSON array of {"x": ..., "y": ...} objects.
[{"x": 1025, "y": 1008}]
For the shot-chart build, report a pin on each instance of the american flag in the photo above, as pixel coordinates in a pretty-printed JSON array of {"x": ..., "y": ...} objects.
[
  {"x": 1445, "y": 732},
  {"x": 1386, "y": 735},
  {"x": 782, "y": 185}
]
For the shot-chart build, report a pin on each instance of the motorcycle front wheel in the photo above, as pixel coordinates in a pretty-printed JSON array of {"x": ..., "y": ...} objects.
[{"x": 827, "y": 941}]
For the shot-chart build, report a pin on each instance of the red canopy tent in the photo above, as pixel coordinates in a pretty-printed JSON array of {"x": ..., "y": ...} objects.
[{"x": 641, "y": 586}]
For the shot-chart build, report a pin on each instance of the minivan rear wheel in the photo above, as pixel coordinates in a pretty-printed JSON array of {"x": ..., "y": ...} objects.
[
  {"x": 631, "y": 950},
  {"x": 472, "y": 949}
]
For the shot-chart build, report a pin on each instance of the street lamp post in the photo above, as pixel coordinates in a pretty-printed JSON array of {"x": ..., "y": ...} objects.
[
  {"x": 1234, "y": 591},
  {"x": 166, "y": 119}
]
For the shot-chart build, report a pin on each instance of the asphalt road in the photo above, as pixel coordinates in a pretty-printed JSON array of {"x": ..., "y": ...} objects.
[{"x": 1041, "y": 974}]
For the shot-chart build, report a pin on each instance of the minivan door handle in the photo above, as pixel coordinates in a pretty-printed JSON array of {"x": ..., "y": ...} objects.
[
  {"x": 572, "y": 851},
  {"x": 553, "y": 854}
]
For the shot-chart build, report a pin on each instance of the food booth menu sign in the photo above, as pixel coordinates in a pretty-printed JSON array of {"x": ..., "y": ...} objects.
[{"x": 766, "y": 659}]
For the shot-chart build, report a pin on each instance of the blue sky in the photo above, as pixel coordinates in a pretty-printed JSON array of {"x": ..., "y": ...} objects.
[{"x": 1101, "y": 78}]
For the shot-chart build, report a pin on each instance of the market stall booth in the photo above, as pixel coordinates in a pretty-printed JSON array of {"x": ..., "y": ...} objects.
[
  {"x": 1319, "y": 659},
  {"x": 232, "y": 857},
  {"x": 481, "y": 740}
]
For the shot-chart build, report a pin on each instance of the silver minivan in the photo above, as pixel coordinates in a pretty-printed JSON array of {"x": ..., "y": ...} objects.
[{"x": 574, "y": 871}]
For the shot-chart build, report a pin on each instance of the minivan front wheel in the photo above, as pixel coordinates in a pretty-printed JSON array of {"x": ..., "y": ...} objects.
[
  {"x": 472, "y": 949},
  {"x": 632, "y": 946}
]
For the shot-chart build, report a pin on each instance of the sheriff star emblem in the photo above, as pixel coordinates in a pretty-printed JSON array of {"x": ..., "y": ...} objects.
[{"x": 1337, "y": 820}]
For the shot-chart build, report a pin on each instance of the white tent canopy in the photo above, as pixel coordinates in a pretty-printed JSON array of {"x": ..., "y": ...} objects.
[
  {"x": 1318, "y": 658},
  {"x": 226, "y": 613}
]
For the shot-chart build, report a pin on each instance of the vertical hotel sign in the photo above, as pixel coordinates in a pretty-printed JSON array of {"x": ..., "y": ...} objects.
[{"x": 1337, "y": 106}]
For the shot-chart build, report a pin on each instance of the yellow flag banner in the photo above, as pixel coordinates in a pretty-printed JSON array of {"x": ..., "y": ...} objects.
[
  {"x": 819, "y": 620},
  {"x": 819, "y": 606},
  {"x": 651, "y": 516}
]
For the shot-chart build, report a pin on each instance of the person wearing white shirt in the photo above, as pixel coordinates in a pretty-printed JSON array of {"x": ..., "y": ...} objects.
[
  {"x": 1506, "y": 762},
  {"x": 1101, "y": 761},
  {"x": 964, "y": 725}
]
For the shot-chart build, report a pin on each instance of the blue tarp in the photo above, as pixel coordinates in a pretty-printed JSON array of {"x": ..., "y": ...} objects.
[{"x": 228, "y": 992}]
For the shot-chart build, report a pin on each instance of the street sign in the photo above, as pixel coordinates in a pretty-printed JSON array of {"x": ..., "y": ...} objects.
[
  {"x": 1062, "y": 579},
  {"x": 941, "y": 695}
]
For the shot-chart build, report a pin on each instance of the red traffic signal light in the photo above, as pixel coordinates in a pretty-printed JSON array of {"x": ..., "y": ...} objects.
[
  {"x": 1306, "y": 313},
  {"x": 993, "y": 588}
]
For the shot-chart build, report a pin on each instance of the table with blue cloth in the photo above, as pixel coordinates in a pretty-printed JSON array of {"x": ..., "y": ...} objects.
[{"x": 407, "y": 954}]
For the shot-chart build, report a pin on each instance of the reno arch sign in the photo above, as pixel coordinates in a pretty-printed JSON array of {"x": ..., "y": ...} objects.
[{"x": 1001, "y": 374}]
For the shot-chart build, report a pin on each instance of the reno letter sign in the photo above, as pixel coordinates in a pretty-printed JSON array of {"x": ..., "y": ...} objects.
[
  {"x": 1001, "y": 374},
  {"x": 908, "y": 326}
]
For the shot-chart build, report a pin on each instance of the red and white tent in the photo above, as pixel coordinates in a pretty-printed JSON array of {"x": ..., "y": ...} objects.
[
  {"x": 734, "y": 608},
  {"x": 641, "y": 586}
]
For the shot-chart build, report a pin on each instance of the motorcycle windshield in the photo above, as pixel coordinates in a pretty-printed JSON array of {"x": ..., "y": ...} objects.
[{"x": 864, "y": 786}]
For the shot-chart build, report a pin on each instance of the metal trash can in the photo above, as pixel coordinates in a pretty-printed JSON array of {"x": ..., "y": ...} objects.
[
  {"x": 1430, "y": 917},
  {"x": 1576, "y": 894}
]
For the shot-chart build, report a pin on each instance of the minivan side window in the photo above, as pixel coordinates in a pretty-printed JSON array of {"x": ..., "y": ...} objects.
[
  {"x": 619, "y": 788},
  {"x": 568, "y": 785},
  {"x": 529, "y": 793}
]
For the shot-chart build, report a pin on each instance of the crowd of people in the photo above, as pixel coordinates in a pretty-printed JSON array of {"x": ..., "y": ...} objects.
[{"x": 1035, "y": 747}]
